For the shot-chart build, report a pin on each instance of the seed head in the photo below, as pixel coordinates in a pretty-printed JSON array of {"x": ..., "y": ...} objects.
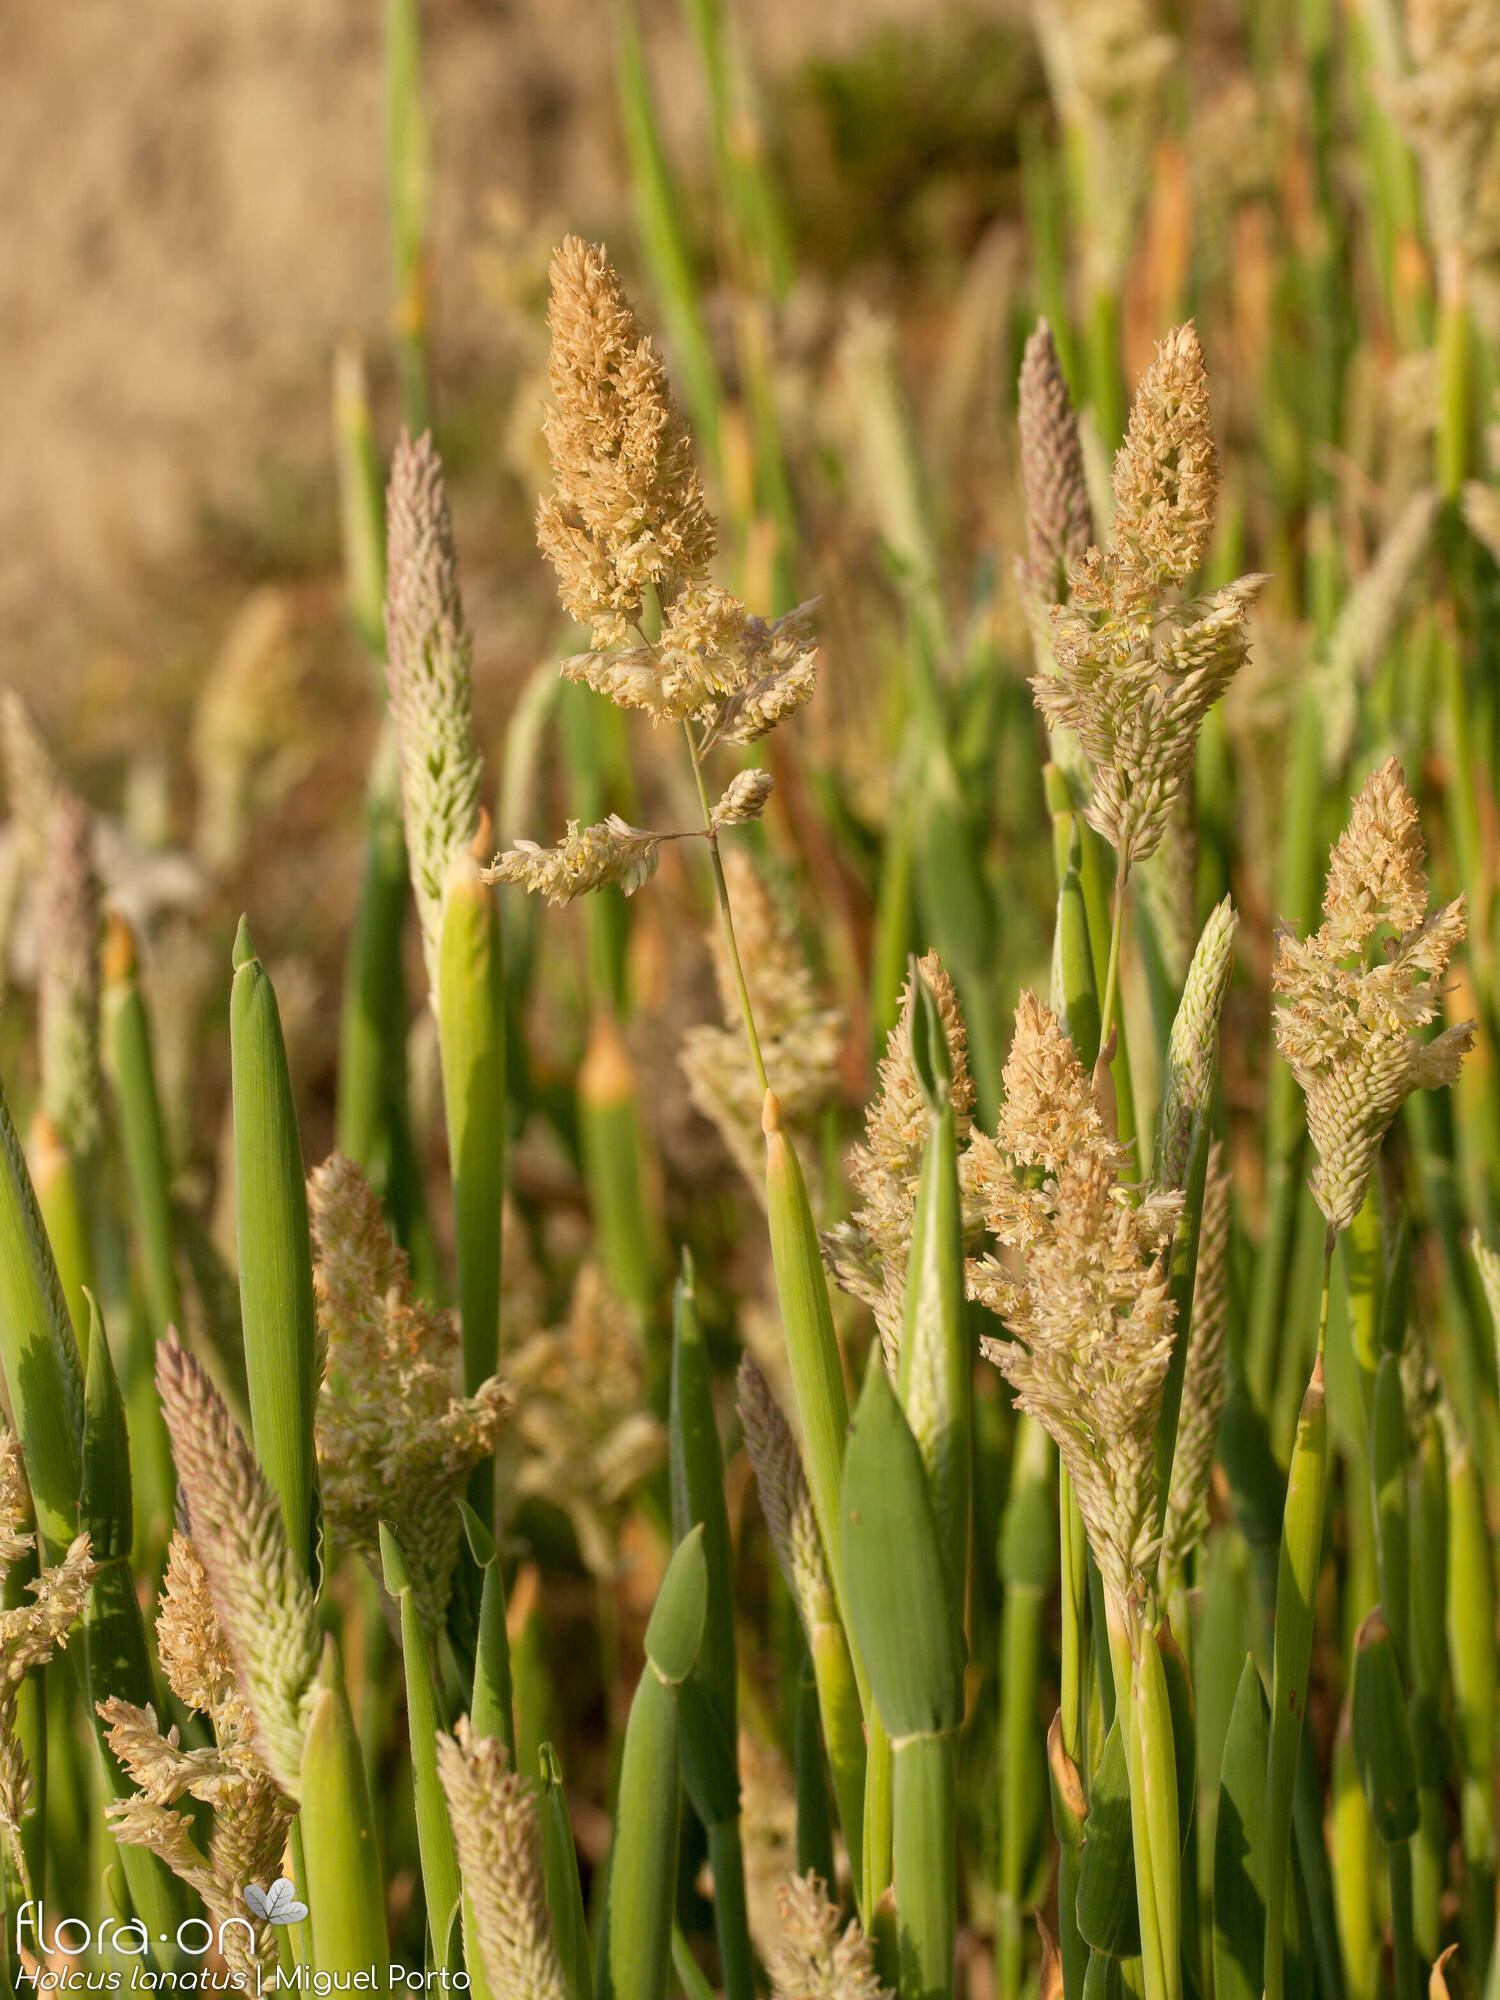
[
  {"x": 1193, "y": 1046},
  {"x": 579, "y": 1436},
  {"x": 1058, "y": 521},
  {"x": 591, "y": 856},
  {"x": 628, "y": 522},
  {"x": 785, "y": 1499},
  {"x": 251, "y": 1814},
  {"x": 1090, "y": 1312},
  {"x": 497, "y": 1831},
  {"x": 260, "y": 1591},
  {"x": 1204, "y": 1382},
  {"x": 868, "y": 1254},
  {"x": 1134, "y": 666},
  {"x": 1352, "y": 1034},
  {"x": 745, "y": 798},
  {"x": 395, "y": 1442},
  {"x": 428, "y": 675},
  {"x": 817, "y": 1956},
  {"x": 628, "y": 512}
]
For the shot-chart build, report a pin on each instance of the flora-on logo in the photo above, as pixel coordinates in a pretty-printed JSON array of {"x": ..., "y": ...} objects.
[{"x": 276, "y": 1905}]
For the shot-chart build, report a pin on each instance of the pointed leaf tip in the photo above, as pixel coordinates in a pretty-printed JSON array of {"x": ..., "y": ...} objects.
[
  {"x": 676, "y": 1629},
  {"x": 244, "y": 950}
]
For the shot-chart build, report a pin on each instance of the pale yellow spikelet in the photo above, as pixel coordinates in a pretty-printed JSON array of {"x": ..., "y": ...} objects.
[
  {"x": 1377, "y": 872},
  {"x": 1352, "y": 1035},
  {"x": 1166, "y": 475},
  {"x": 497, "y": 1831},
  {"x": 1204, "y": 1382},
  {"x": 628, "y": 531},
  {"x": 396, "y": 1439},
  {"x": 775, "y": 674},
  {"x": 817, "y": 1956},
  {"x": 628, "y": 512},
  {"x": 190, "y": 1641},
  {"x": 429, "y": 651},
  {"x": 580, "y": 1436},
  {"x": 1193, "y": 1046},
  {"x": 613, "y": 851},
  {"x": 868, "y": 1254},
  {"x": 1058, "y": 521},
  {"x": 251, "y": 1813},
  {"x": 800, "y": 1038},
  {"x": 785, "y": 1498},
  {"x": 744, "y": 799},
  {"x": 1134, "y": 665},
  {"x": 1085, "y": 1293},
  {"x": 260, "y": 1591}
]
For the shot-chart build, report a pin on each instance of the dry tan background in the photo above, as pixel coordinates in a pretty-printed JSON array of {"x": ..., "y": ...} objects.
[{"x": 194, "y": 213}]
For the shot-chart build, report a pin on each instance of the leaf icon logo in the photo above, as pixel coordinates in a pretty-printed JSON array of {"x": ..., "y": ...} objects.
[{"x": 276, "y": 1905}]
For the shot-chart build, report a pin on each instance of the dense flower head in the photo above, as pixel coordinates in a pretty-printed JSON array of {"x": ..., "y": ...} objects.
[
  {"x": 260, "y": 1591},
  {"x": 1135, "y": 666},
  {"x": 396, "y": 1440},
  {"x": 1204, "y": 1381},
  {"x": 817, "y": 1956},
  {"x": 1084, "y": 1294},
  {"x": 1351, "y": 1024},
  {"x": 250, "y": 1812},
  {"x": 785, "y": 1497},
  {"x": 591, "y": 856},
  {"x": 1059, "y": 525},
  {"x": 580, "y": 1437},
  {"x": 497, "y": 1831},
  {"x": 628, "y": 512},
  {"x": 429, "y": 652}
]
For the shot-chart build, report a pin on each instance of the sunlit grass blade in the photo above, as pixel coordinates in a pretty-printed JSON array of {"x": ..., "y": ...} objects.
[
  {"x": 564, "y": 1892},
  {"x": 635, "y": 1949},
  {"x": 275, "y": 1252},
  {"x": 471, "y": 1035},
  {"x": 131, "y": 1069},
  {"x": 491, "y": 1699},
  {"x": 901, "y": 1605},
  {"x": 114, "y": 1656},
  {"x": 345, "y": 1892},
  {"x": 708, "y": 1699},
  {"x": 1240, "y": 1853},
  {"x": 424, "y": 1718},
  {"x": 1300, "y": 1560}
]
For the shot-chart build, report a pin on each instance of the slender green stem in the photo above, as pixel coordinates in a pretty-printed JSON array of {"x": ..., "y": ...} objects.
[
  {"x": 729, "y": 938},
  {"x": 1328, "y": 1246},
  {"x": 1112, "y": 970},
  {"x": 1403, "y": 1939}
]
